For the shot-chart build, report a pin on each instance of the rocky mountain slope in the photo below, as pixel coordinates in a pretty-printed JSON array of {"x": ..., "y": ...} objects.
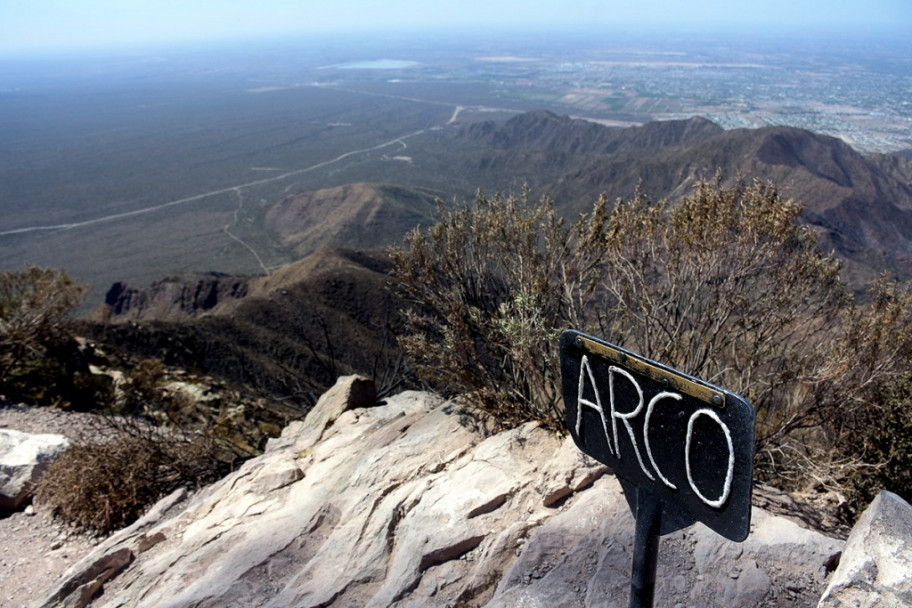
[
  {"x": 860, "y": 205},
  {"x": 288, "y": 335},
  {"x": 401, "y": 504},
  {"x": 360, "y": 215}
]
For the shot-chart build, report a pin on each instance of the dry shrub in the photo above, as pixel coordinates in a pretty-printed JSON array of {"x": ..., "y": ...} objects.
[
  {"x": 107, "y": 485},
  {"x": 484, "y": 287},
  {"x": 726, "y": 285},
  {"x": 36, "y": 347},
  {"x": 869, "y": 397},
  {"x": 100, "y": 487},
  {"x": 141, "y": 453},
  {"x": 35, "y": 305},
  {"x": 888, "y": 444}
]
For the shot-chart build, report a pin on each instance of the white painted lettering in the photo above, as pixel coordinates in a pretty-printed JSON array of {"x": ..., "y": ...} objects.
[
  {"x": 587, "y": 381},
  {"x": 586, "y": 372},
  {"x": 729, "y": 474},
  {"x": 649, "y": 408},
  {"x": 625, "y": 418}
]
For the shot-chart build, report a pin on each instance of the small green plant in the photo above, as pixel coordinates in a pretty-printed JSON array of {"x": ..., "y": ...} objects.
[{"x": 141, "y": 393}]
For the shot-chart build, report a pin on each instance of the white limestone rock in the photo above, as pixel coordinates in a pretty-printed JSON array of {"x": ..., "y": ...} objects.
[
  {"x": 875, "y": 569},
  {"x": 23, "y": 457},
  {"x": 401, "y": 505}
]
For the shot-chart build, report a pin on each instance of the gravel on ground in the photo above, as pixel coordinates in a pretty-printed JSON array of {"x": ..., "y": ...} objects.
[{"x": 35, "y": 550}]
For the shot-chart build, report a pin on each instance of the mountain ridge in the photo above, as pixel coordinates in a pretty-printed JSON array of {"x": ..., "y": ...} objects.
[
  {"x": 292, "y": 330},
  {"x": 580, "y": 136},
  {"x": 861, "y": 206}
]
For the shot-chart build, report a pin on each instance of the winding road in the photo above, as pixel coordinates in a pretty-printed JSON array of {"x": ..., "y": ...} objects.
[
  {"x": 237, "y": 189},
  {"x": 204, "y": 195}
]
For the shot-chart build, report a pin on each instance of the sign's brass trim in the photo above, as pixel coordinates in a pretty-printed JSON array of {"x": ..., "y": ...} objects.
[{"x": 669, "y": 380}]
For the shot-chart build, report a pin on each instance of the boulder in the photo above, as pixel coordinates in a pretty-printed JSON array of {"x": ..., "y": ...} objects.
[
  {"x": 401, "y": 504},
  {"x": 23, "y": 457},
  {"x": 78, "y": 591},
  {"x": 875, "y": 569}
]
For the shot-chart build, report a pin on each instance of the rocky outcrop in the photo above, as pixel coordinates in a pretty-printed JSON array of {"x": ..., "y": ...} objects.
[
  {"x": 174, "y": 297},
  {"x": 876, "y": 566},
  {"x": 400, "y": 504},
  {"x": 23, "y": 457}
]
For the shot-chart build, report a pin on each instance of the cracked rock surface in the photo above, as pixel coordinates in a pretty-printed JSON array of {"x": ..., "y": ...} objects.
[{"x": 399, "y": 504}]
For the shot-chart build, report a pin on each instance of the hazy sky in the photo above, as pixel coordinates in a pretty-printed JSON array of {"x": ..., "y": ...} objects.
[{"x": 46, "y": 24}]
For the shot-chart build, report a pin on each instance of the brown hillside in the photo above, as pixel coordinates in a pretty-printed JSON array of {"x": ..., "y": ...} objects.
[
  {"x": 363, "y": 215},
  {"x": 290, "y": 337}
]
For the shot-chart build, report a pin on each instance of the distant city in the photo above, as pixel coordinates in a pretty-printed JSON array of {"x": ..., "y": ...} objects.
[{"x": 857, "y": 89}]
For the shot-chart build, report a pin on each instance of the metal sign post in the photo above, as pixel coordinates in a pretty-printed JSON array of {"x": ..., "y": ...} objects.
[
  {"x": 645, "y": 548},
  {"x": 682, "y": 448}
]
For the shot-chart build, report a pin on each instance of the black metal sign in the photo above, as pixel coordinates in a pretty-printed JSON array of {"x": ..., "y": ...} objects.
[{"x": 683, "y": 443}]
